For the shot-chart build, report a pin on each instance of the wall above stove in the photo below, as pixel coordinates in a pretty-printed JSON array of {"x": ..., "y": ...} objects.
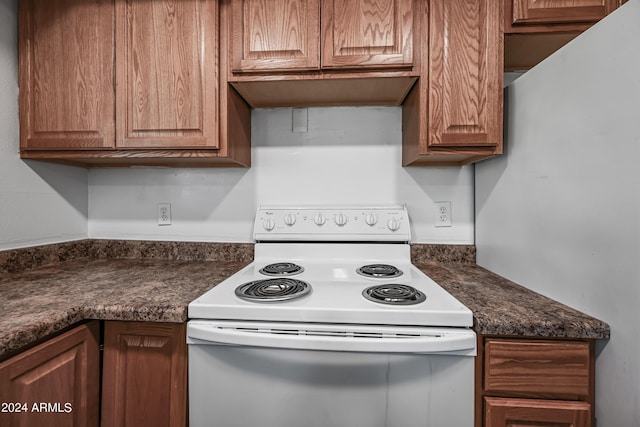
[{"x": 348, "y": 155}]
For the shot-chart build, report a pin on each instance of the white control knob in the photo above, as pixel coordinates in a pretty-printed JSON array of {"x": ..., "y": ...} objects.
[
  {"x": 268, "y": 224},
  {"x": 393, "y": 224},
  {"x": 290, "y": 219},
  {"x": 319, "y": 220},
  {"x": 371, "y": 219},
  {"x": 341, "y": 220}
]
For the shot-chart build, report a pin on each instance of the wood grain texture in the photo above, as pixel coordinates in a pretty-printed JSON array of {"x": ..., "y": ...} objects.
[
  {"x": 167, "y": 93},
  {"x": 536, "y": 413},
  {"x": 465, "y": 93},
  {"x": 458, "y": 98},
  {"x": 560, "y": 11},
  {"x": 525, "y": 51},
  {"x": 64, "y": 369},
  {"x": 146, "y": 157},
  {"x": 235, "y": 113},
  {"x": 144, "y": 375},
  {"x": 66, "y": 74},
  {"x": 541, "y": 369},
  {"x": 281, "y": 35},
  {"x": 322, "y": 93},
  {"x": 367, "y": 33}
]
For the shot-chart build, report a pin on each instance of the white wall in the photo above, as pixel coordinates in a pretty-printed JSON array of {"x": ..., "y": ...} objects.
[
  {"x": 560, "y": 213},
  {"x": 39, "y": 203},
  {"x": 350, "y": 155}
]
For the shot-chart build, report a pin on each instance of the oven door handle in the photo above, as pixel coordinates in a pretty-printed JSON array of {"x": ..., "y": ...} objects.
[{"x": 439, "y": 341}]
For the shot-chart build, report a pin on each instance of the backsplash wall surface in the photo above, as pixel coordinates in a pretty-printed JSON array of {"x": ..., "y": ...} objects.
[{"x": 349, "y": 155}]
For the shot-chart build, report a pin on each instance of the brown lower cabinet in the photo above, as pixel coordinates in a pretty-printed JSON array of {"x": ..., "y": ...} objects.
[
  {"x": 534, "y": 382},
  {"x": 519, "y": 381},
  {"x": 144, "y": 381},
  {"x": 536, "y": 413},
  {"x": 57, "y": 383}
]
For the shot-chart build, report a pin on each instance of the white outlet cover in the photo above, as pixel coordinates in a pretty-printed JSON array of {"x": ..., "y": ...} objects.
[
  {"x": 164, "y": 213},
  {"x": 443, "y": 214}
]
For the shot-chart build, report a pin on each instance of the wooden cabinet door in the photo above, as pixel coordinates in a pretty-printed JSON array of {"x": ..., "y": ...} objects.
[
  {"x": 465, "y": 73},
  {"x": 560, "y": 11},
  {"x": 275, "y": 35},
  {"x": 55, "y": 384},
  {"x": 144, "y": 375},
  {"x": 367, "y": 33},
  {"x": 66, "y": 74},
  {"x": 166, "y": 69},
  {"x": 501, "y": 412}
]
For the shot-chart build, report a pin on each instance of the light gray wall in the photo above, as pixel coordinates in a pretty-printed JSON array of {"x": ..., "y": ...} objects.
[
  {"x": 39, "y": 203},
  {"x": 560, "y": 212},
  {"x": 349, "y": 155}
]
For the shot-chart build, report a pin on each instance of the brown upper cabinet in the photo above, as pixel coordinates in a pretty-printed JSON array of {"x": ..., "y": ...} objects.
[
  {"x": 149, "y": 82},
  {"x": 119, "y": 82},
  {"x": 367, "y": 34},
  {"x": 534, "y": 29},
  {"x": 554, "y": 12},
  {"x": 441, "y": 60},
  {"x": 275, "y": 35},
  {"x": 305, "y": 35},
  {"x": 167, "y": 81},
  {"x": 67, "y": 95},
  {"x": 292, "y": 53},
  {"x": 453, "y": 115}
]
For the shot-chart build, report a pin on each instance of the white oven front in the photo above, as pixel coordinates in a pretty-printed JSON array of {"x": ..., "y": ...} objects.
[{"x": 244, "y": 374}]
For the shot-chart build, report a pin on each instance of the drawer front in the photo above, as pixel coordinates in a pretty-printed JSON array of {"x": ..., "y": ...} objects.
[
  {"x": 534, "y": 412},
  {"x": 541, "y": 369}
]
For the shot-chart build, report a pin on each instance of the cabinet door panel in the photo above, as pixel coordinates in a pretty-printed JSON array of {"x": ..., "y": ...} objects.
[
  {"x": 66, "y": 74},
  {"x": 167, "y": 95},
  {"x": 367, "y": 33},
  {"x": 560, "y": 11},
  {"x": 271, "y": 35},
  {"x": 501, "y": 412},
  {"x": 63, "y": 373},
  {"x": 465, "y": 73},
  {"x": 144, "y": 375}
]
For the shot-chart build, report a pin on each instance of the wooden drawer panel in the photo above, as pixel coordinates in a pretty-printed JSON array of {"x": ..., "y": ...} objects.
[
  {"x": 536, "y": 413},
  {"x": 542, "y": 369}
]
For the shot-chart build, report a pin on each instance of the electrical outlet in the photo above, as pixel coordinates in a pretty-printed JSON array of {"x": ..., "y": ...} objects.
[
  {"x": 443, "y": 214},
  {"x": 164, "y": 213}
]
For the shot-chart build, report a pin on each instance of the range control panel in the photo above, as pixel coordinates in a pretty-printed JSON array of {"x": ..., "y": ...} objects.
[{"x": 313, "y": 223}]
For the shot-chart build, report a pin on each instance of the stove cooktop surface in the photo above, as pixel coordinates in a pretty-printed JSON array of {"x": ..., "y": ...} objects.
[{"x": 331, "y": 288}]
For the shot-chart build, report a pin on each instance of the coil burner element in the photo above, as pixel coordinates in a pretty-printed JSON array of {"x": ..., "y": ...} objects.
[
  {"x": 382, "y": 271},
  {"x": 394, "y": 294},
  {"x": 281, "y": 269},
  {"x": 267, "y": 290}
]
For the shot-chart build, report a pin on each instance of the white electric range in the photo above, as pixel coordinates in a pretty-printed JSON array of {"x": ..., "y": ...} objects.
[{"x": 331, "y": 293}]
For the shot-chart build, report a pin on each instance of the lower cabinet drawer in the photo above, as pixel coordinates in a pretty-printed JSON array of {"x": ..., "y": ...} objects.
[
  {"x": 540, "y": 369},
  {"x": 501, "y": 412}
]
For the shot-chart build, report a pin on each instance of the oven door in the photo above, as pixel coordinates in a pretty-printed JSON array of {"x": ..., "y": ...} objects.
[{"x": 245, "y": 374}]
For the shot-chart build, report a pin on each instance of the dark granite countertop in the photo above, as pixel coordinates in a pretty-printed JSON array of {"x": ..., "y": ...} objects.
[
  {"x": 39, "y": 302},
  {"x": 501, "y": 307},
  {"x": 161, "y": 279}
]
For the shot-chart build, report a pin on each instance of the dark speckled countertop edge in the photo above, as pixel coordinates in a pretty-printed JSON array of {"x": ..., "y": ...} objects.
[{"x": 500, "y": 307}]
